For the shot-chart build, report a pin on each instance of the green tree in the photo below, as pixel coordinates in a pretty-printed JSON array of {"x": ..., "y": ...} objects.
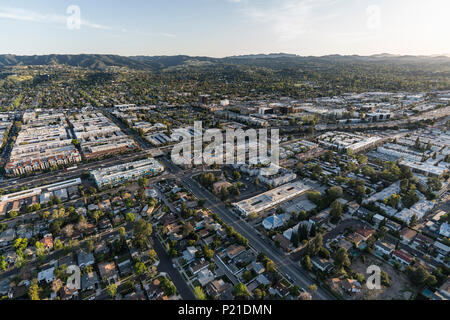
[
  {"x": 341, "y": 258},
  {"x": 241, "y": 291},
  {"x": 112, "y": 290},
  {"x": 307, "y": 264},
  {"x": 336, "y": 212},
  {"x": 312, "y": 288},
  {"x": 34, "y": 291},
  {"x": 140, "y": 268},
  {"x": 198, "y": 291},
  {"x": 130, "y": 217}
]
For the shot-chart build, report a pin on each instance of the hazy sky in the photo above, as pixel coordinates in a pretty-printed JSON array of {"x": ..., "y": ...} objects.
[{"x": 225, "y": 27}]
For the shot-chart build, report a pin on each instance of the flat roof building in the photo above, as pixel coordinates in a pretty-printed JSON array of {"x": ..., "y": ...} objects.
[
  {"x": 119, "y": 174},
  {"x": 271, "y": 198}
]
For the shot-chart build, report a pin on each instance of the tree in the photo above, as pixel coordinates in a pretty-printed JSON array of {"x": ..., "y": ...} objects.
[
  {"x": 324, "y": 253},
  {"x": 434, "y": 184},
  {"x": 236, "y": 175},
  {"x": 258, "y": 294},
  {"x": 385, "y": 281},
  {"x": 335, "y": 193},
  {"x": 359, "y": 277},
  {"x": 294, "y": 239},
  {"x": 140, "y": 268},
  {"x": 362, "y": 159},
  {"x": 307, "y": 264},
  {"x": 410, "y": 198},
  {"x": 3, "y": 264},
  {"x": 336, "y": 212},
  {"x": 58, "y": 244},
  {"x": 34, "y": 290},
  {"x": 130, "y": 217},
  {"x": 198, "y": 291},
  {"x": 247, "y": 276},
  {"x": 317, "y": 244},
  {"x": 112, "y": 290},
  {"x": 201, "y": 203},
  {"x": 312, "y": 288},
  {"x": 341, "y": 259},
  {"x": 413, "y": 222},
  {"x": 122, "y": 232},
  {"x": 420, "y": 277},
  {"x": 241, "y": 291},
  {"x": 270, "y": 265},
  {"x": 13, "y": 214},
  {"x": 208, "y": 253}
]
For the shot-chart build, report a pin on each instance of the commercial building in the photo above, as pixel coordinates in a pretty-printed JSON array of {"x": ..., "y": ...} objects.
[
  {"x": 14, "y": 201},
  {"x": 271, "y": 198},
  {"x": 120, "y": 174}
]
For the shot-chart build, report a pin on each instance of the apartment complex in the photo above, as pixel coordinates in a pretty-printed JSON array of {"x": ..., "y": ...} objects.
[
  {"x": 425, "y": 152},
  {"x": 349, "y": 142},
  {"x": 119, "y": 174},
  {"x": 98, "y": 136},
  {"x": 43, "y": 142}
]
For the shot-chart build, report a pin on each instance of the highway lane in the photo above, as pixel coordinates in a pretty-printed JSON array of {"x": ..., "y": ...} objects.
[
  {"x": 53, "y": 177},
  {"x": 283, "y": 262}
]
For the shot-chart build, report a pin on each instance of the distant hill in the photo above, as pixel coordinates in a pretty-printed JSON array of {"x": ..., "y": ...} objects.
[
  {"x": 271, "y": 61},
  {"x": 90, "y": 61}
]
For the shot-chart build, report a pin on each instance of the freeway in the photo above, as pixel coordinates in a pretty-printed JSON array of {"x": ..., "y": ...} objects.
[
  {"x": 54, "y": 177},
  {"x": 283, "y": 262}
]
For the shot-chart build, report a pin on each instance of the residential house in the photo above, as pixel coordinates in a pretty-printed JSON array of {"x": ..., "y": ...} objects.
[
  {"x": 46, "y": 275},
  {"x": 219, "y": 289},
  {"x": 322, "y": 265},
  {"x": 189, "y": 254},
  {"x": 384, "y": 247},
  {"x": 85, "y": 259},
  {"x": 108, "y": 272},
  {"x": 205, "y": 276},
  {"x": 284, "y": 243},
  {"x": 234, "y": 250},
  {"x": 89, "y": 281},
  {"x": 351, "y": 286},
  {"x": 47, "y": 241},
  {"x": 423, "y": 242},
  {"x": 198, "y": 266},
  {"x": 441, "y": 248},
  {"x": 407, "y": 235},
  {"x": 402, "y": 257}
]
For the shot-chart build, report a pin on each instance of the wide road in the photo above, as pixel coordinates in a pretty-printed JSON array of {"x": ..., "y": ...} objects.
[
  {"x": 54, "y": 177},
  {"x": 283, "y": 262}
]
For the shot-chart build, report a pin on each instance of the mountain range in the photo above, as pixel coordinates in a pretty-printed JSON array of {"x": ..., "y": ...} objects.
[{"x": 158, "y": 63}]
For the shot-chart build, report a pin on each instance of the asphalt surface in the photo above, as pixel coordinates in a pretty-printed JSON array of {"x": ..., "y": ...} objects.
[
  {"x": 288, "y": 267},
  {"x": 166, "y": 265}
]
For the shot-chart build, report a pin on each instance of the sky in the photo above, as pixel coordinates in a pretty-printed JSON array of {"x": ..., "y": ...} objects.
[{"x": 219, "y": 28}]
